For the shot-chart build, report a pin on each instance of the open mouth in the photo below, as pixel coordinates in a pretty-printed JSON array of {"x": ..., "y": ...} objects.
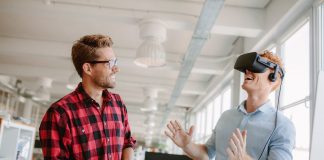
[
  {"x": 113, "y": 77},
  {"x": 249, "y": 78}
]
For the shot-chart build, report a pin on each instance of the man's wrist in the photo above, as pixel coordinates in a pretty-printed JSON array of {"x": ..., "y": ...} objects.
[{"x": 248, "y": 157}]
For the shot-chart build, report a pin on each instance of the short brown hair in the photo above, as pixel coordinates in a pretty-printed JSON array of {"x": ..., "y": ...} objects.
[{"x": 85, "y": 49}]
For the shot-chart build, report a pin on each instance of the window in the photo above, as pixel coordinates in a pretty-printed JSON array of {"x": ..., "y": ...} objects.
[
  {"x": 217, "y": 110},
  {"x": 296, "y": 53},
  {"x": 301, "y": 120},
  {"x": 295, "y": 93},
  {"x": 207, "y": 117},
  {"x": 203, "y": 122},
  {"x": 226, "y": 99},
  {"x": 198, "y": 125},
  {"x": 321, "y": 34}
]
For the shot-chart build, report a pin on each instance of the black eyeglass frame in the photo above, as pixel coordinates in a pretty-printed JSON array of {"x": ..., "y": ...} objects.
[{"x": 111, "y": 62}]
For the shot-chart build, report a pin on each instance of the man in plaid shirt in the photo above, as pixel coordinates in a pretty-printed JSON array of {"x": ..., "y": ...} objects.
[{"x": 91, "y": 122}]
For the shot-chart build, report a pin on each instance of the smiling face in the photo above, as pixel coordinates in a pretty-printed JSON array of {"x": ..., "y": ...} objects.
[
  {"x": 258, "y": 83},
  {"x": 103, "y": 75}
]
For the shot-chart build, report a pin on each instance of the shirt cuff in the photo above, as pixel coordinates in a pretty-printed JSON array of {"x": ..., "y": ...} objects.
[
  {"x": 129, "y": 143},
  {"x": 210, "y": 151}
]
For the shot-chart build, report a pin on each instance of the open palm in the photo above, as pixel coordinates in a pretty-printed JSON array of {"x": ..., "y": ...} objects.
[{"x": 178, "y": 135}]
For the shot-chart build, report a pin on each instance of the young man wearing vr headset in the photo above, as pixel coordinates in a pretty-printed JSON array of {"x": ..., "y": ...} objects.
[{"x": 253, "y": 130}]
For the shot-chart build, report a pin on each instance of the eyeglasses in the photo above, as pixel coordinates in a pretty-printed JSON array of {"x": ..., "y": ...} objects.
[{"x": 110, "y": 63}]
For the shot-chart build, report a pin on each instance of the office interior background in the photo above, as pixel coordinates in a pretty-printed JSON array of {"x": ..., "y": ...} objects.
[{"x": 175, "y": 57}]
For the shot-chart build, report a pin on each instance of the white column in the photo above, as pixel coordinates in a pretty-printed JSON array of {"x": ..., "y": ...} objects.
[{"x": 28, "y": 109}]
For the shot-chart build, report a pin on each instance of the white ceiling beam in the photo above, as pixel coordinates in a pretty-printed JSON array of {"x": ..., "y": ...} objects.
[
  {"x": 207, "y": 18},
  {"x": 191, "y": 88},
  {"x": 33, "y": 71},
  {"x": 123, "y": 80},
  {"x": 239, "y": 21},
  {"x": 183, "y": 101},
  {"x": 233, "y": 20},
  {"x": 280, "y": 16},
  {"x": 160, "y": 6},
  {"x": 30, "y": 47},
  {"x": 36, "y": 48}
]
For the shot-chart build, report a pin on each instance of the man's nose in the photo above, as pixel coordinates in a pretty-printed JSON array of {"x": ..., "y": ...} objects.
[
  {"x": 115, "y": 69},
  {"x": 247, "y": 71}
]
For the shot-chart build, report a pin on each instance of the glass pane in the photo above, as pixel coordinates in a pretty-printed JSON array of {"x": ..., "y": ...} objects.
[
  {"x": 321, "y": 32},
  {"x": 274, "y": 50},
  {"x": 203, "y": 122},
  {"x": 227, "y": 98},
  {"x": 198, "y": 125},
  {"x": 296, "y": 54},
  {"x": 299, "y": 115},
  {"x": 217, "y": 110},
  {"x": 209, "y": 119}
]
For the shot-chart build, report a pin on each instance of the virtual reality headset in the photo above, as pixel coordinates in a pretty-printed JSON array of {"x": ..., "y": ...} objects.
[{"x": 255, "y": 63}]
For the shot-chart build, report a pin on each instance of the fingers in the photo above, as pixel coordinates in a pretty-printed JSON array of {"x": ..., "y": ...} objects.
[
  {"x": 178, "y": 125},
  {"x": 171, "y": 129},
  {"x": 191, "y": 130},
  {"x": 237, "y": 144},
  {"x": 230, "y": 153},
  {"x": 239, "y": 136},
  {"x": 233, "y": 147},
  {"x": 244, "y": 135},
  {"x": 168, "y": 134},
  {"x": 175, "y": 125}
]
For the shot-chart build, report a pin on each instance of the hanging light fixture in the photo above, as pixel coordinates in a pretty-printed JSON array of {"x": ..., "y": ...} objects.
[
  {"x": 150, "y": 102},
  {"x": 149, "y": 120},
  {"x": 42, "y": 93},
  {"x": 151, "y": 52}
]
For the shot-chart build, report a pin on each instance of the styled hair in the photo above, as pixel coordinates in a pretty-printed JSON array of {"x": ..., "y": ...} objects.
[
  {"x": 272, "y": 57},
  {"x": 85, "y": 49}
]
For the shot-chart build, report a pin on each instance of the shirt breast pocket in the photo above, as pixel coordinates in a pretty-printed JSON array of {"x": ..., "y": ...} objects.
[
  {"x": 119, "y": 128},
  {"x": 83, "y": 137}
]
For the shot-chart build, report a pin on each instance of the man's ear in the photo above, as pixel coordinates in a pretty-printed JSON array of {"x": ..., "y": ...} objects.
[{"x": 87, "y": 68}]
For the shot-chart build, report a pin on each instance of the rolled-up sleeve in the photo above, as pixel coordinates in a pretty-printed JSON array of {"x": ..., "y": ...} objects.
[
  {"x": 129, "y": 141},
  {"x": 210, "y": 145}
]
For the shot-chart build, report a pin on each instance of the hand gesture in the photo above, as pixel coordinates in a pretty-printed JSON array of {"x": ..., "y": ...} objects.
[
  {"x": 179, "y": 136},
  {"x": 237, "y": 146}
]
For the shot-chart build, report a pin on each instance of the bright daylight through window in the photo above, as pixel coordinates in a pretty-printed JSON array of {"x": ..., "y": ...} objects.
[{"x": 295, "y": 96}]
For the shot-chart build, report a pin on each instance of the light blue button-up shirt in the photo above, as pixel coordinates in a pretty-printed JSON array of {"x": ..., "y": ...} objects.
[{"x": 259, "y": 126}]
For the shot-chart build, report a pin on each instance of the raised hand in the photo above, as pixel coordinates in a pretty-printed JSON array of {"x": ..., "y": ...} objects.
[
  {"x": 237, "y": 146},
  {"x": 179, "y": 136}
]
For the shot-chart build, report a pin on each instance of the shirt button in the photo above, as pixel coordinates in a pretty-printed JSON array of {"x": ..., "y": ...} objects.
[
  {"x": 108, "y": 139},
  {"x": 109, "y": 155},
  {"x": 104, "y": 123}
]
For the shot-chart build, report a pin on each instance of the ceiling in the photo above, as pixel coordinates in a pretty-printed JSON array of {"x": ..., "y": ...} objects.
[{"x": 36, "y": 38}]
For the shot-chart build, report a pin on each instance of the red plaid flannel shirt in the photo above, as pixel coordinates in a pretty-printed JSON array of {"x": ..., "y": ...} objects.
[{"x": 75, "y": 128}]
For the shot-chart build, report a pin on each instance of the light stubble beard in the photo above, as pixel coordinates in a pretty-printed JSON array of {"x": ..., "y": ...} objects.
[{"x": 106, "y": 84}]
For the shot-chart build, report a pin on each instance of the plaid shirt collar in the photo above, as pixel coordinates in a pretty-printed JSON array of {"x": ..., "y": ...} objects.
[{"x": 84, "y": 96}]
